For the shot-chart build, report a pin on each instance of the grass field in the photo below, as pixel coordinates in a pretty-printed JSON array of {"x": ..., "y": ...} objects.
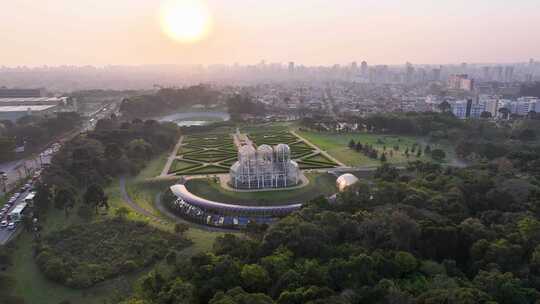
[
  {"x": 319, "y": 184},
  {"x": 337, "y": 145}
]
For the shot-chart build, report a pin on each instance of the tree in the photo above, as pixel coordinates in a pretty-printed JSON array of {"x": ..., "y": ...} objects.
[
  {"x": 95, "y": 197},
  {"x": 352, "y": 144},
  {"x": 485, "y": 115},
  {"x": 406, "y": 262},
  {"x": 122, "y": 212},
  {"x": 383, "y": 157},
  {"x": 254, "y": 277},
  {"x": 444, "y": 107},
  {"x": 427, "y": 150},
  {"x": 438, "y": 155},
  {"x": 181, "y": 228},
  {"x": 64, "y": 199},
  {"x": 239, "y": 296},
  {"x": 170, "y": 258},
  {"x": 504, "y": 112},
  {"x": 43, "y": 198},
  {"x": 359, "y": 147},
  {"x": 139, "y": 149},
  {"x": 113, "y": 151},
  {"x": 527, "y": 135},
  {"x": 504, "y": 287}
]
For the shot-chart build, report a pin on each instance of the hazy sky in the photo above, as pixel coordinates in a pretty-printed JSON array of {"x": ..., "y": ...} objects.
[{"x": 312, "y": 32}]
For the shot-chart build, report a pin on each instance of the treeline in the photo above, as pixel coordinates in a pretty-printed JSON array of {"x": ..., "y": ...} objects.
[
  {"x": 87, "y": 163},
  {"x": 530, "y": 89},
  {"x": 473, "y": 139},
  {"x": 33, "y": 131},
  {"x": 239, "y": 105},
  {"x": 422, "y": 235},
  {"x": 167, "y": 100}
]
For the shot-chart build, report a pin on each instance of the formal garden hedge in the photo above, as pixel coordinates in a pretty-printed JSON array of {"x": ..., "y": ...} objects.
[
  {"x": 84, "y": 255},
  {"x": 207, "y": 153},
  {"x": 305, "y": 155}
]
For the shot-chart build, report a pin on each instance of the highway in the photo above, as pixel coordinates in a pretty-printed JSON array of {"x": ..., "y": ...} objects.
[{"x": 6, "y": 234}]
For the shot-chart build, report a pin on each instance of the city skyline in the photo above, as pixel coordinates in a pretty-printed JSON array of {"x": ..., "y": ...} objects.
[{"x": 312, "y": 33}]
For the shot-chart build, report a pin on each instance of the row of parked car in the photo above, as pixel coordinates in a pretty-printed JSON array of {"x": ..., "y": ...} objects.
[{"x": 201, "y": 216}]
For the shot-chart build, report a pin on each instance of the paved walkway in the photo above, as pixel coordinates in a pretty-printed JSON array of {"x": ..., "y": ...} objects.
[
  {"x": 127, "y": 199},
  {"x": 172, "y": 157},
  {"x": 316, "y": 148}
]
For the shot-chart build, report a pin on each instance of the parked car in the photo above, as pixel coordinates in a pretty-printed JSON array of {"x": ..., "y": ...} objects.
[
  {"x": 11, "y": 226},
  {"x": 3, "y": 224}
]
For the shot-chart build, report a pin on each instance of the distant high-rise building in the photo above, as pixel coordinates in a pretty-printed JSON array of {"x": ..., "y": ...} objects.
[
  {"x": 364, "y": 68},
  {"x": 436, "y": 74},
  {"x": 354, "y": 66},
  {"x": 499, "y": 73},
  {"x": 464, "y": 67},
  {"x": 460, "y": 82},
  {"x": 409, "y": 72},
  {"x": 509, "y": 73},
  {"x": 486, "y": 73},
  {"x": 291, "y": 67}
]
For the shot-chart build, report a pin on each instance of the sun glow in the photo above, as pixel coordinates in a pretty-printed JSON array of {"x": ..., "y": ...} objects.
[{"x": 185, "y": 20}]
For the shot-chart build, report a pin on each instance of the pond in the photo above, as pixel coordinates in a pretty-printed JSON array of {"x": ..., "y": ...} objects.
[{"x": 187, "y": 119}]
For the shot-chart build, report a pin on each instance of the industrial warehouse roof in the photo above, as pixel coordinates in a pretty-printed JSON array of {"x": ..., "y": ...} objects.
[
  {"x": 25, "y": 108},
  {"x": 30, "y": 99},
  {"x": 182, "y": 192}
]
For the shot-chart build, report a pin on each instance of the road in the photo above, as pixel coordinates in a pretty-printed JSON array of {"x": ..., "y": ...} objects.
[{"x": 5, "y": 234}]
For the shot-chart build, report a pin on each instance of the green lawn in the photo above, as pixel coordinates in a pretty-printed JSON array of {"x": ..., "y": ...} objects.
[
  {"x": 337, "y": 145},
  {"x": 319, "y": 184}
]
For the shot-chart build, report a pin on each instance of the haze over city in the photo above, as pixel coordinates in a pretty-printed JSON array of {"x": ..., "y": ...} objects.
[
  {"x": 310, "y": 32},
  {"x": 269, "y": 152}
]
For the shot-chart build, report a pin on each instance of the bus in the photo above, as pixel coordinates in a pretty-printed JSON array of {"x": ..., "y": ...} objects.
[
  {"x": 29, "y": 199},
  {"x": 16, "y": 214}
]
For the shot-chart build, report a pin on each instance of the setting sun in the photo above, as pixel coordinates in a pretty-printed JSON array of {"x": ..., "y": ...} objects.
[{"x": 185, "y": 20}]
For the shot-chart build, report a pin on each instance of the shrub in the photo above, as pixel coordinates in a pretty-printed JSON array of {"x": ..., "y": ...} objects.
[{"x": 81, "y": 256}]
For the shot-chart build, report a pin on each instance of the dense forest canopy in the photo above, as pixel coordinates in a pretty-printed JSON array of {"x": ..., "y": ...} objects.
[
  {"x": 168, "y": 100},
  {"x": 33, "y": 132}
]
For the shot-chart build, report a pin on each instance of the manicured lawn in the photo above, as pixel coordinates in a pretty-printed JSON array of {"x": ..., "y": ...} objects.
[
  {"x": 319, "y": 184},
  {"x": 337, "y": 145}
]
